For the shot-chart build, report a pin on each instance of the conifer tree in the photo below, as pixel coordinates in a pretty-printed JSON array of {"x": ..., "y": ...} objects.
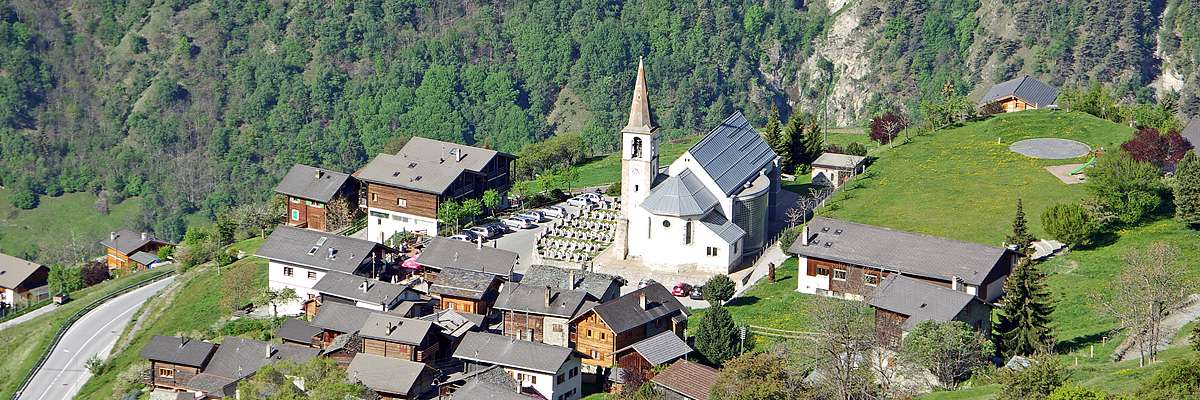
[
  {"x": 1024, "y": 322},
  {"x": 791, "y": 141},
  {"x": 1187, "y": 190},
  {"x": 1020, "y": 236},
  {"x": 773, "y": 134},
  {"x": 717, "y": 336}
]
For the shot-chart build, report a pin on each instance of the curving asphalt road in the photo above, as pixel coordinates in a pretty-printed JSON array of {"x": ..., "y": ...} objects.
[{"x": 93, "y": 335}]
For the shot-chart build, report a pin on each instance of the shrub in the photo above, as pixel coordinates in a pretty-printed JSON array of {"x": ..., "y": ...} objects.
[
  {"x": 1044, "y": 374},
  {"x": 1129, "y": 189},
  {"x": 1072, "y": 391},
  {"x": 1071, "y": 224},
  {"x": 718, "y": 289},
  {"x": 857, "y": 149},
  {"x": 1179, "y": 379},
  {"x": 1164, "y": 151},
  {"x": 789, "y": 236},
  {"x": 613, "y": 189},
  {"x": 95, "y": 272},
  {"x": 24, "y": 198}
]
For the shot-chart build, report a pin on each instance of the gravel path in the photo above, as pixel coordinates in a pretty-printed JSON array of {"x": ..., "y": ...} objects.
[{"x": 1170, "y": 327}]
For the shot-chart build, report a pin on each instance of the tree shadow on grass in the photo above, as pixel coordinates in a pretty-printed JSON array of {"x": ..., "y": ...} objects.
[
  {"x": 742, "y": 301},
  {"x": 1079, "y": 342}
]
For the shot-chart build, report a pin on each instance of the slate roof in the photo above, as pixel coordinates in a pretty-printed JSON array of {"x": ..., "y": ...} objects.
[
  {"x": 340, "y": 317},
  {"x": 304, "y": 182},
  {"x": 733, "y": 153},
  {"x": 532, "y": 299},
  {"x": 481, "y": 390},
  {"x": 887, "y": 249},
  {"x": 395, "y": 329},
  {"x": 723, "y": 227},
  {"x": 679, "y": 195},
  {"x": 1191, "y": 133},
  {"x": 14, "y": 271},
  {"x": 462, "y": 283},
  {"x": 490, "y": 348},
  {"x": 311, "y": 249},
  {"x": 426, "y": 165},
  {"x": 237, "y": 358},
  {"x": 350, "y": 287},
  {"x": 127, "y": 241},
  {"x": 297, "y": 331},
  {"x": 918, "y": 300},
  {"x": 444, "y": 253},
  {"x": 688, "y": 378},
  {"x": 386, "y": 374},
  {"x": 661, "y": 348},
  {"x": 340, "y": 342},
  {"x": 1025, "y": 88},
  {"x": 177, "y": 350},
  {"x": 838, "y": 161},
  {"x": 595, "y": 283},
  {"x": 625, "y": 312},
  {"x": 144, "y": 258},
  {"x": 454, "y": 323}
]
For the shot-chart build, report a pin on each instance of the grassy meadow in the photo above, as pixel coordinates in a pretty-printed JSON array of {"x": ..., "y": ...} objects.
[{"x": 56, "y": 218}]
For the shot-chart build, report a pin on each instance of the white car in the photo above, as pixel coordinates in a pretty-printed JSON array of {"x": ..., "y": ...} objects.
[
  {"x": 554, "y": 211},
  {"x": 486, "y": 231},
  {"x": 592, "y": 197},
  {"x": 579, "y": 201},
  {"x": 533, "y": 215},
  {"x": 461, "y": 237},
  {"x": 517, "y": 223}
]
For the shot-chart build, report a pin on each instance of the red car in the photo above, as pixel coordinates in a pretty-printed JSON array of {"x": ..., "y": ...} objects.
[{"x": 681, "y": 289}]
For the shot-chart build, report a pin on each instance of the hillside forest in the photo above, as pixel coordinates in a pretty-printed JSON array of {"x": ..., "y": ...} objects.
[{"x": 199, "y": 105}]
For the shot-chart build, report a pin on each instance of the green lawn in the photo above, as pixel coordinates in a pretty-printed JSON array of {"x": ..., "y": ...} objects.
[
  {"x": 960, "y": 183},
  {"x": 23, "y": 344},
  {"x": 193, "y": 309},
  {"x": 607, "y": 169},
  {"x": 55, "y": 218}
]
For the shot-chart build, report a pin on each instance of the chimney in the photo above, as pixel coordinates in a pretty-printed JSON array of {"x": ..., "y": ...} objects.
[
  {"x": 548, "y": 291},
  {"x": 954, "y": 283},
  {"x": 804, "y": 235},
  {"x": 112, "y": 236},
  {"x": 364, "y": 286},
  {"x": 332, "y": 253},
  {"x": 391, "y": 328},
  {"x": 270, "y": 350},
  {"x": 143, "y": 235},
  {"x": 571, "y": 280},
  {"x": 182, "y": 341},
  {"x": 642, "y": 299},
  {"x": 478, "y": 242},
  {"x": 319, "y": 174}
]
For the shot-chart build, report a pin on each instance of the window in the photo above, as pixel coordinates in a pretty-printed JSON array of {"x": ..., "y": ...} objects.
[
  {"x": 839, "y": 274},
  {"x": 560, "y": 378},
  {"x": 374, "y": 196},
  {"x": 602, "y": 336},
  {"x": 399, "y": 218},
  {"x": 871, "y": 280},
  {"x": 166, "y": 373},
  {"x": 710, "y": 251},
  {"x": 533, "y": 379},
  {"x": 295, "y": 200},
  {"x": 378, "y": 214},
  {"x": 595, "y": 354},
  {"x": 402, "y": 202},
  {"x": 637, "y": 148},
  {"x": 635, "y": 188},
  {"x": 666, "y": 224},
  {"x": 574, "y": 371},
  {"x": 312, "y": 275},
  {"x": 589, "y": 332},
  {"x": 557, "y": 327},
  {"x": 821, "y": 271},
  {"x": 687, "y": 232},
  {"x": 295, "y": 215},
  {"x": 287, "y": 271}
]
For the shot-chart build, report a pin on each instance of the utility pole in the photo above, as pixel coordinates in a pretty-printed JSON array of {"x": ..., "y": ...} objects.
[{"x": 742, "y": 339}]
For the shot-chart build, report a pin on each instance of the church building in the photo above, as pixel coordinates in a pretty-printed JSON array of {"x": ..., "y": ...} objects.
[{"x": 709, "y": 208}]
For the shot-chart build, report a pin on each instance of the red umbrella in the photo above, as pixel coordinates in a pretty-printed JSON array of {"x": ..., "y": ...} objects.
[{"x": 410, "y": 263}]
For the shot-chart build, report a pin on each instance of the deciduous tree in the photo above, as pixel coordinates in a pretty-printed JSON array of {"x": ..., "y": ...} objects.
[
  {"x": 948, "y": 350},
  {"x": 1164, "y": 151},
  {"x": 1128, "y": 188},
  {"x": 767, "y": 375},
  {"x": 1071, "y": 224},
  {"x": 885, "y": 127},
  {"x": 1152, "y": 282},
  {"x": 718, "y": 289},
  {"x": 491, "y": 200}
]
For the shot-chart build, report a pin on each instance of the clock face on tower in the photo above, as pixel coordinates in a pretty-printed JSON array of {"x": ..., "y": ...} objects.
[{"x": 634, "y": 171}]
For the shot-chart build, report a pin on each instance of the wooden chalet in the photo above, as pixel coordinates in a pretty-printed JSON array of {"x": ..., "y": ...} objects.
[
  {"x": 404, "y": 338},
  {"x": 391, "y": 378},
  {"x": 643, "y": 357},
  {"x": 336, "y": 319},
  {"x": 309, "y": 190},
  {"x": 174, "y": 361},
  {"x": 467, "y": 291},
  {"x": 1024, "y": 93},
  {"x": 299, "y": 332},
  {"x": 22, "y": 281},
  {"x": 902, "y": 302},
  {"x": 540, "y": 313},
  {"x": 402, "y": 192},
  {"x": 599, "y": 331},
  {"x": 686, "y": 380},
  {"x": 127, "y": 250},
  {"x": 849, "y": 260}
]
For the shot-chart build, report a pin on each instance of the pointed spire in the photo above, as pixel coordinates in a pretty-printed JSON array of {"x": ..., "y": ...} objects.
[{"x": 639, "y": 109}]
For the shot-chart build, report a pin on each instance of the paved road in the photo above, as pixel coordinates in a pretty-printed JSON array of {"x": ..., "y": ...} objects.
[
  {"x": 28, "y": 316},
  {"x": 93, "y": 335}
]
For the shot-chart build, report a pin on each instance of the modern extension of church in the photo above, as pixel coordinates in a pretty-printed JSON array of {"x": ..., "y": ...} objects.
[{"x": 710, "y": 208}]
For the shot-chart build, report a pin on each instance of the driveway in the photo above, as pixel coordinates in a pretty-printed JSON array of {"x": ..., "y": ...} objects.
[{"x": 93, "y": 335}]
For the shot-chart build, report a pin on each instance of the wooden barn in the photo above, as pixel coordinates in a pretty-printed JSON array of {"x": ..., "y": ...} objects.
[{"x": 1020, "y": 94}]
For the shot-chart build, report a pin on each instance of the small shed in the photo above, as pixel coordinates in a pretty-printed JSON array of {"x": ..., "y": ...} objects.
[
  {"x": 1024, "y": 93},
  {"x": 833, "y": 169}
]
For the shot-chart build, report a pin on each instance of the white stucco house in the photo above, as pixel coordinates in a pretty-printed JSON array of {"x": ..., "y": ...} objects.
[
  {"x": 550, "y": 371},
  {"x": 832, "y": 169},
  {"x": 707, "y": 209},
  {"x": 303, "y": 260}
]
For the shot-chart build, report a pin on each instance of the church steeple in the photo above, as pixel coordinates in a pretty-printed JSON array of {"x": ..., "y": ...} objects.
[{"x": 640, "y": 119}]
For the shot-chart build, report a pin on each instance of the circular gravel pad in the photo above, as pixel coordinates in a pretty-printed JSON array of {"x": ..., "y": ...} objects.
[{"x": 1051, "y": 148}]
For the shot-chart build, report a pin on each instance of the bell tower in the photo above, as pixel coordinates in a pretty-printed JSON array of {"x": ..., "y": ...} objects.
[{"x": 639, "y": 148}]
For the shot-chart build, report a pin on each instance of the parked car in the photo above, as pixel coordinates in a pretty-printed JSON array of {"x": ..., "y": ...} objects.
[
  {"x": 595, "y": 198},
  {"x": 697, "y": 293},
  {"x": 533, "y": 215},
  {"x": 554, "y": 211},
  {"x": 461, "y": 237},
  {"x": 681, "y": 289},
  {"x": 579, "y": 201},
  {"x": 517, "y": 223},
  {"x": 486, "y": 231},
  {"x": 646, "y": 282}
]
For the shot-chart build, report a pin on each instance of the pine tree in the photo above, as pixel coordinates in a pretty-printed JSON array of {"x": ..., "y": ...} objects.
[
  {"x": 1024, "y": 322},
  {"x": 1187, "y": 190},
  {"x": 804, "y": 140},
  {"x": 1020, "y": 236},
  {"x": 773, "y": 134},
  {"x": 792, "y": 140},
  {"x": 717, "y": 336}
]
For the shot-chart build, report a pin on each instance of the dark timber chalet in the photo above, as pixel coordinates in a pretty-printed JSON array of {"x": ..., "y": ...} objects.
[
  {"x": 466, "y": 291},
  {"x": 309, "y": 190},
  {"x": 598, "y": 332},
  {"x": 404, "y": 338},
  {"x": 207, "y": 370},
  {"x": 845, "y": 259},
  {"x": 902, "y": 302},
  {"x": 175, "y": 360},
  {"x": 442, "y": 253},
  {"x": 540, "y": 313},
  {"x": 391, "y": 378},
  {"x": 402, "y": 192},
  {"x": 603, "y": 287}
]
